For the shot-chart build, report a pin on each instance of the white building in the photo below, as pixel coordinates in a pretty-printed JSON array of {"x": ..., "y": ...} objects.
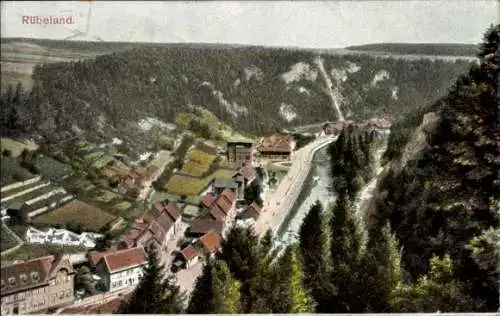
[
  {"x": 61, "y": 237},
  {"x": 122, "y": 268}
]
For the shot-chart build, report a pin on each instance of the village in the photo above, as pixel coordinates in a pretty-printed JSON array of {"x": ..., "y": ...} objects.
[{"x": 184, "y": 231}]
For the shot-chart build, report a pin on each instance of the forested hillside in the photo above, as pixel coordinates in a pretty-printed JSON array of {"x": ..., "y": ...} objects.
[
  {"x": 442, "y": 192},
  {"x": 420, "y": 49},
  {"x": 430, "y": 244},
  {"x": 256, "y": 90}
]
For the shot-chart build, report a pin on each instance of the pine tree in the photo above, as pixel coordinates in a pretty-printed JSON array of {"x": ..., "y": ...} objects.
[
  {"x": 313, "y": 244},
  {"x": 240, "y": 250},
  {"x": 345, "y": 252},
  {"x": 380, "y": 270},
  {"x": 215, "y": 292},
  {"x": 294, "y": 296},
  {"x": 154, "y": 294},
  {"x": 437, "y": 291}
]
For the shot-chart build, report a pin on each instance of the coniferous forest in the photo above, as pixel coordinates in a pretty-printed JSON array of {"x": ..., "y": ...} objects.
[{"x": 429, "y": 242}]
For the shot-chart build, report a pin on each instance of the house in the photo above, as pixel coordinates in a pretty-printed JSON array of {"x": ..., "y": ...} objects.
[
  {"x": 190, "y": 256},
  {"x": 239, "y": 151},
  {"x": 208, "y": 200},
  {"x": 333, "y": 128},
  {"x": 219, "y": 185},
  {"x": 248, "y": 172},
  {"x": 223, "y": 209},
  {"x": 276, "y": 147},
  {"x": 210, "y": 243},
  {"x": 121, "y": 268},
  {"x": 155, "y": 229},
  {"x": 160, "y": 210},
  {"x": 200, "y": 227},
  {"x": 36, "y": 285},
  {"x": 253, "y": 211}
]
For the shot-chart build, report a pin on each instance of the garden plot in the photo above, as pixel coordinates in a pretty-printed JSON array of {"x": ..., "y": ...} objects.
[
  {"x": 77, "y": 212},
  {"x": 185, "y": 185}
]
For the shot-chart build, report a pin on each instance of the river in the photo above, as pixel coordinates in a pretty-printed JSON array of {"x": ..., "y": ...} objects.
[{"x": 318, "y": 186}]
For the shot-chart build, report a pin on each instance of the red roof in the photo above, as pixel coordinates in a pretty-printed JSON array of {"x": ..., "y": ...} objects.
[
  {"x": 138, "y": 227},
  {"x": 96, "y": 256},
  {"x": 248, "y": 171},
  {"x": 173, "y": 211},
  {"x": 225, "y": 201},
  {"x": 208, "y": 199},
  {"x": 211, "y": 242},
  {"x": 125, "y": 259},
  {"x": 189, "y": 253},
  {"x": 255, "y": 207},
  {"x": 277, "y": 143}
]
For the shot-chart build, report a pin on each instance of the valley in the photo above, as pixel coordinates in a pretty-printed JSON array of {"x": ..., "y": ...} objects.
[{"x": 258, "y": 179}]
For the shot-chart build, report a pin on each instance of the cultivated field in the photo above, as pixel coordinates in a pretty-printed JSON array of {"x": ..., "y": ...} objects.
[
  {"x": 185, "y": 185},
  {"x": 18, "y": 60},
  {"x": 77, "y": 212}
]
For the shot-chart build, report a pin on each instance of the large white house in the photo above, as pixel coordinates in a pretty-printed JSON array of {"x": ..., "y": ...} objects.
[
  {"x": 61, "y": 237},
  {"x": 122, "y": 268}
]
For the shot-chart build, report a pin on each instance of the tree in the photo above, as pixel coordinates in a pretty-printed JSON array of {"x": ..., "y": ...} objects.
[
  {"x": 313, "y": 245},
  {"x": 240, "y": 250},
  {"x": 154, "y": 294},
  {"x": 291, "y": 287},
  {"x": 215, "y": 291},
  {"x": 345, "y": 252},
  {"x": 437, "y": 291},
  {"x": 380, "y": 269}
]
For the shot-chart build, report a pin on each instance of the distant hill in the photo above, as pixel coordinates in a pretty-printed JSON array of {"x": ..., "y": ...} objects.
[
  {"x": 420, "y": 49},
  {"x": 255, "y": 90}
]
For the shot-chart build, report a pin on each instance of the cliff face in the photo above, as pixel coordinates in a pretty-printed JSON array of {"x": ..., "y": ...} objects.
[{"x": 442, "y": 189}]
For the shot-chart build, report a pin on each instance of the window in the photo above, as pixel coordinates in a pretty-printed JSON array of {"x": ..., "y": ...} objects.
[
  {"x": 35, "y": 276},
  {"x": 24, "y": 278},
  {"x": 42, "y": 302},
  {"x": 61, "y": 295},
  {"x": 53, "y": 298},
  {"x": 68, "y": 293},
  {"x": 12, "y": 281}
]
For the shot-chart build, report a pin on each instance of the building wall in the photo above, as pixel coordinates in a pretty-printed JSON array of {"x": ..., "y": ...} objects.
[
  {"x": 59, "y": 291},
  {"x": 125, "y": 278}
]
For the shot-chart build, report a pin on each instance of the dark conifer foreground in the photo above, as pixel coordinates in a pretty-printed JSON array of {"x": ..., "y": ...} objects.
[{"x": 154, "y": 294}]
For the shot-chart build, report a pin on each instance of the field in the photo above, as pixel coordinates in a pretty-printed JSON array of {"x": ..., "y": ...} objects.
[
  {"x": 77, "y": 212},
  {"x": 19, "y": 59},
  {"x": 16, "y": 147},
  {"x": 185, "y": 185}
]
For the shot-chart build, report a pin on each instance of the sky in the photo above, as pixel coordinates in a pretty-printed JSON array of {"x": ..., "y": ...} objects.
[{"x": 312, "y": 24}]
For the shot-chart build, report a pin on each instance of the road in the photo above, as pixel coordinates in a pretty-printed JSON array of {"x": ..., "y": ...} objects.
[
  {"x": 162, "y": 159},
  {"x": 283, "y": 199}
]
